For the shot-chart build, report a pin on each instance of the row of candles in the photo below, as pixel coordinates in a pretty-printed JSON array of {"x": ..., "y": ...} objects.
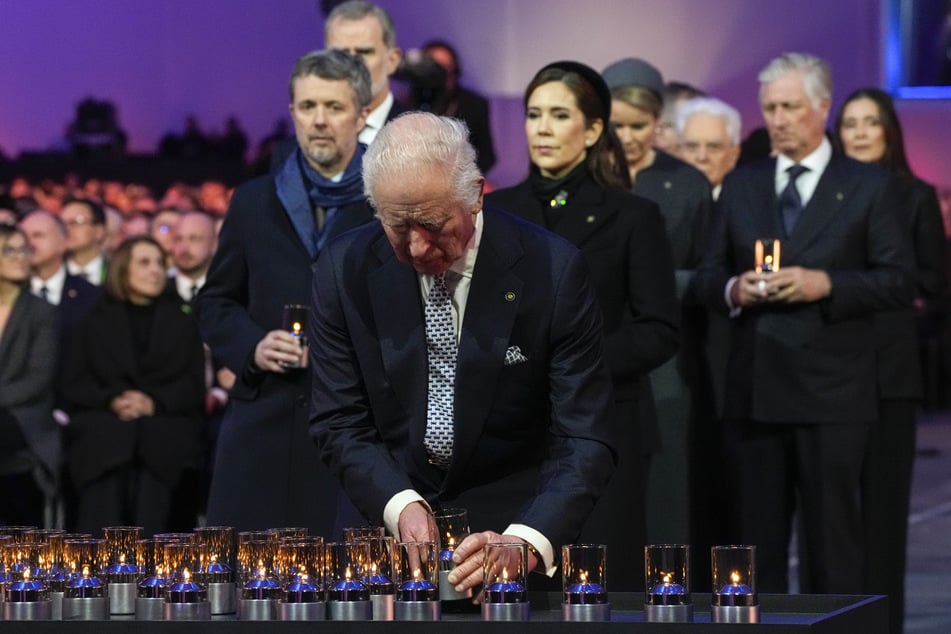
[{"x": 286, "y": 574}]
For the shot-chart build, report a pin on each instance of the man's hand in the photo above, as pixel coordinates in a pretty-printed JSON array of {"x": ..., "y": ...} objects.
[
  {"x": 749, "y": 289},
  {"x": 132, "y": 404},
  {"x": 468, "y": 559},
  {"x": 416, "y": 524},
  {"x": 280, "y": 350},
  {"x": 795, "y": 284}
]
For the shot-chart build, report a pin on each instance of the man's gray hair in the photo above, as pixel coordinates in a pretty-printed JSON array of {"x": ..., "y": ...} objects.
[
  {"x": 357, "y": 10},
  {"x": 418, "y": 142},
  {"x": 335, "y": 64},
  {"x": 713, "y": 107},
  {"x": 816, "y": 75}
]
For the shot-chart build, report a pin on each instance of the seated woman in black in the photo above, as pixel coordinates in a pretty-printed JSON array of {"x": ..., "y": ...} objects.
[{"x": 135, "y": 384}]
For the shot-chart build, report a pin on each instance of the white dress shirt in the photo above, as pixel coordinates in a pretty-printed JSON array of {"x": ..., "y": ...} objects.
[
  {"x": 375, "y": 120},
  {"x": 54, "y": 286},
  {"x": 92, "y": 270}
]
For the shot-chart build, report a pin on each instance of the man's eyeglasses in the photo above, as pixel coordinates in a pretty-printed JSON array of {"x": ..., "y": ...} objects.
[{"x": 9, "y": 252}]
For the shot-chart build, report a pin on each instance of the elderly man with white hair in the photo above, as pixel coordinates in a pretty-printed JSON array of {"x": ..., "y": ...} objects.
[{"x": 708, "y": 131}]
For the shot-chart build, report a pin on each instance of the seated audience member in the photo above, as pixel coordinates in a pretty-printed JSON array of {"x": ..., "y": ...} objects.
[
  {"x": 86, "y": 231},
  {"x": 113, "y": 231},
  {"x": 29, "y": 439},
  {"x": 451, "y": 99},
  {"x": 47, "y": 235},
  {"x": 161, "y": 226},
  {"x": 867, "y": 129},
  {"x": 675, "y": 93},
  {"x": 134, "y": 380},
  {"x": 135, "y": 224},
  {"x": 708, "y": 131},
  {"x": 681, "y": 386}
]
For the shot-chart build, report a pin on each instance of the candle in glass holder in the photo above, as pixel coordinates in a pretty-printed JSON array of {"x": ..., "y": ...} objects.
[
  {"x": 27, "y": 599},
  {"x": 187, "y": 600},
  {"x": 584, "y": 582},
  {"x": 452, "y": 525},
  {"x": 734, "y": 597}
]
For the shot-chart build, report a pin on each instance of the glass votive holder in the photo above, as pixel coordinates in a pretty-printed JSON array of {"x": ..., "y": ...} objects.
[
  {"x": 504, "y": 575},
  {"x": 26, "y": 599},
  {"x": 84, "y": 597},
  {"x": 584, "y": 582},
  {"x": 186, "y": 599},
  {"x": 301, "y": 563},
  {"x": 18, "y": 533},
  {"x": 179, "y": 557},
  {"x": 452, "y": 525},
  {"x": 416, "y": 573},
  {"x": 23, "y": 555},
  {"x": 152, "y": 588},
  {"x": 348, "y": 596},
  {"x": 53, "y": 538},
  {"x": 256, "y": 550},
  {"x": 734, "y": 597},
  {"x": 259, "y": 587},
  {"x": 122, "y": 567},
  {"x": 379, "y": 575},
  {"x": 216, "y": 570},
  {"x": 667, "y": 583}
]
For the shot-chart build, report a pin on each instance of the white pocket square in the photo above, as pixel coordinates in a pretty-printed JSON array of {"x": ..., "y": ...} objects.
[{"x": 514, "y": 356}]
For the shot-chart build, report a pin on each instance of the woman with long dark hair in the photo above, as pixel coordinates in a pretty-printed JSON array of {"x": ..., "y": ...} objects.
[
  {"x": 578, "y": 186},
  {"x": 867, "y": 129}
]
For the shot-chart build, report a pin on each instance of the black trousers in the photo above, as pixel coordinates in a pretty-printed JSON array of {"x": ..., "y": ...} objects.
[
  {"x": 766, "y": 467},
  {"x": 127, "y": 496},
  {"x": 886, "y": 497}
]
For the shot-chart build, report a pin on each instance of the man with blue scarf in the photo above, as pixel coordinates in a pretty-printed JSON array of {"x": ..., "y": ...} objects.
[{"x": 267, "y": 472}]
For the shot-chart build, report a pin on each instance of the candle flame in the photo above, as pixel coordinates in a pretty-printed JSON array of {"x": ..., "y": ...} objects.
[
  {"x": 262, "y": 571},
  {"x": 666, "y": 577},
  {"x": 372, "y": 569},
  {"x": 346, "y": 574},
  {"x": 417, "y": 575},
  {"x": 582, "y": 576},
  {"x": 735, "y": 578},
  {"x": 303, "y": 578},
  {"x": 158, "y": 571},
  {"x": 296, "y": 327},
  {"x": 85, "y": 572},
  {"x": 186, "y": 575},
  {"x": 452, "y": 541},
  {"x": 214, "y": 559},
  {"x": 505, "y": 573},
  {"x": 122, "y": 558},
  {"x": 26, "y": 574}
]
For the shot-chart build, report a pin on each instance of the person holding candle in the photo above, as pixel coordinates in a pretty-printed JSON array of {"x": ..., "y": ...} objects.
[
  {"x": 498, "y": 400},
  {"x": 578, "y": 187},
  {"x": 801, "y": 390},
  {"x": 134, "y": 384},
  {"x": 29, "y": 339},
  {"x": 867, "y": 129},
  {"x": 267, "y": 472}
]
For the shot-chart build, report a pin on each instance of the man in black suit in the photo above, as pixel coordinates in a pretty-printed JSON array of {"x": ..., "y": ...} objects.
[
  {"x": 267, "y": 472},
  {"x": 86, "y": 225},
  {"x": 47, "y": 234},
  {"x": 801, "y": 387},
  {"x": 504, "y": 410}
]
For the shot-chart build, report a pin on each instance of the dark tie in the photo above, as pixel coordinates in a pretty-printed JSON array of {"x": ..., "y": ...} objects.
[
  {"x": 441, "y": 351},
  {"x": 790, "y": 204},
  {"x": 194, "y": 292},
  {"x": 45, "y": 293}
]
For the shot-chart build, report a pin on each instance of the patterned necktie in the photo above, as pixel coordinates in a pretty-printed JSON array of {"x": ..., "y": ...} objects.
[
  {"x": 790, "y": 204},
  {"x": 441, "y": 351}
]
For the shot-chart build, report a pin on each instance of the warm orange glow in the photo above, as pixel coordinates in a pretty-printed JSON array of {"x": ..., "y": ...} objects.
[
  {"x": 26, "y": 574},
  {"x": 735, "y": 578},
  {"x": 122, "y": 558},
  {"x": 186, "y": 575},
  {"x": 158, "y": 571},
  {"x": 346, "y": 574},
  {"x": 417, "y": 575},
  {"x": 582, "y": 576},
  {"x": 296, "y": 326},
  {"x": 262, "y": 572},
  {"x": 85, "y": 572},
  {"x": 666, "y": 578},
  {"x": 214, "y": 559},
  {"x": 452, "y": 541},
  {"x": 505, "y": 573}
]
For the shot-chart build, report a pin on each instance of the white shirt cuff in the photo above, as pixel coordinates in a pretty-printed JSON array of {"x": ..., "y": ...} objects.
[
  {"x": 393, "y": 508},
  {"x": 539, "y": 541},
  {"x": 734, "y": 310}
]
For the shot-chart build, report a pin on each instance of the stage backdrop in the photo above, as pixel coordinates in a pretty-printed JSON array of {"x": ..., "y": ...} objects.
[{"x": 162, "y": 60}]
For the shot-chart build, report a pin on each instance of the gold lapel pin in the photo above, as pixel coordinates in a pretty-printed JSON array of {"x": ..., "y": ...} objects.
[{"x": 509, "y": 296}]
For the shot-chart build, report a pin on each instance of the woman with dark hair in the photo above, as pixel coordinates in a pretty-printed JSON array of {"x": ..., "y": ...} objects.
[
  {"x": 29, "y": 439},
  {"x": 867, "y": 129},
  {"x": 578, "y": 187},
  {"x": 134, "y": 381}
]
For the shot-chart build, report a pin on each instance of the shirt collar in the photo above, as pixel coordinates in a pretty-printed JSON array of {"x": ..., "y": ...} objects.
[
  {"x": 816, "y": 161},
  {"x": 376, "y": 119},
  {"x": 54, "y": 286}
]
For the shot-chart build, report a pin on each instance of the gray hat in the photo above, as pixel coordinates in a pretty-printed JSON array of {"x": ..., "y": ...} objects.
[{"x": 631, "y": 71}]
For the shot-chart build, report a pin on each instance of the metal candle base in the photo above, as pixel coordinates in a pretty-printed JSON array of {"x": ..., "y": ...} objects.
[
  {"x": 586, "y": 612},
  {"x": 506, "y": 611},
  {"x": 668, "y": 613},
  {"x": 315, "y": 611},
  {"x": 200, "y": 611},
  {"x": 350, "y": 610},
  {"x": 149, "y": 609},
  {"x": 382, "y": 607},
  {"x": 447, "y": 592},
  {"x": 417, "y": 610},
  {"x": 85, "y": 609},
  {"x": 122, "y": 598},
  {"x": 56, "y": 606},
  {"x": 27, "y": 610},
  {"x": 257, "y": 609},
  {"x": 734, "y": 613},
  {"x": 223, "y": 598}
]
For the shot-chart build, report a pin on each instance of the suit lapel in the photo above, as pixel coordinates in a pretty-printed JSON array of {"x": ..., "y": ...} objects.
[
  {"x": 293, "y": 196},
  {"x": 829, "y": 197},
  {"x": 398, "y": 315},
  {"x": 586, "y": 213},
  {"x": 491, "y": 308}
]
